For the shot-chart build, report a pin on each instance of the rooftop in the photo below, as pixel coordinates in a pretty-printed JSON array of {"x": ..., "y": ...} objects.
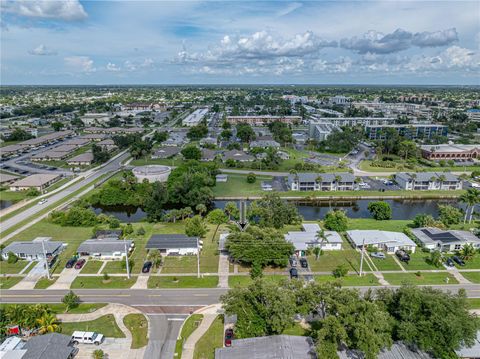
[
  {"x": 373, "y": 237},
  {"x": 35, "y": 180},
  {"x": 104, "y": 245},
  {"x": 168, "y": 241},
  {"x": 33, "y": 247}
]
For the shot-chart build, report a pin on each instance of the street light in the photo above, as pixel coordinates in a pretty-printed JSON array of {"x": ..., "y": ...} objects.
[{"x": 45, "y": 257}]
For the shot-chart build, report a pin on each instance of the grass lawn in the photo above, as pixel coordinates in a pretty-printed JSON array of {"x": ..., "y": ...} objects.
[
  {"x": 425, "y": 278},
  {"x": 182, "y": 282},
  {"x": 237, "y": 184},
  {"x": 473, "y": 303},
  {"x": 370, "y": 223},
  {"x": 105, "y": 325},
  {"x": 418, "y": 261},
  {"x": 8, "y": 282},
  {"x": 212, "y": 339},
  {"x": 329, "y": 260},
  {"x": 91, "y": 267},
  {"x": 13, "y": 268},
  {"x": 99, "y": 283},
  {"x": 297, "y": 330},
  {"x": 244, "y": 280},
  {"x": 473, "y": 263},
  {"x": 386, "y": 264},
  {"x": 138, "y": 326},
  {"x": 188, "y": 327},
  {"x": 44, "y": 283},
  {"x": 349, "y": 280},
  {"x": 115, "y": 267},
  {"x": 13, "y": 196},
  {"x": 59, "y": 308},
  {"x": 473, "y": 277}
]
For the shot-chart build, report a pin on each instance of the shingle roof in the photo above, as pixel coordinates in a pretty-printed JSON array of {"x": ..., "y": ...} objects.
[
  {"x": 83, "y": 157},
  {"x": 107, "y": 245},
  {"x": 397, "y": 351},
  {"x": 35, "y": 180},
  {"x": 166, "y": 151},
  {"x": 237, "y": 155},
  {"x": 326, "y": 177},
  {"x": 32, "y": 248},
  {"x": 48, "y": 346},
  {"x": 168, "y": 241}
]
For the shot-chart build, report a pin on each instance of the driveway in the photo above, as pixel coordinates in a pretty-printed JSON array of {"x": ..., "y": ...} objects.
[
  {"x": 32, "y": 277},
  {"x": 115, "y": 348},
  {"x": 67, "y": 276}
]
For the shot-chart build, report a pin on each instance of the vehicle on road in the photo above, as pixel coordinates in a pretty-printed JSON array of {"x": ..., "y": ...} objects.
[
  {"x": 458, "y": 260},
  {"x": 293, "y": 262},
  {"x": 42, "y": 201},
  {"x": 71, "y": 262},
  {"x": 79, "y": 337},
  {"x": 80, "y": 264},
  {"x": 303, "y": 262},
  {"x": 403, "y": 256},
  {"x": 146, "y": 267},
  {"x": 449, "y": 262},
  {"x": 228, "y": 337},
  {"x": 378, "y": 255},
  {"x": 293, "y": 273}
]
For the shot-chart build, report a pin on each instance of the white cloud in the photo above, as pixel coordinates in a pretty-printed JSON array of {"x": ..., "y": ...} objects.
[
  {"x": 42, "y": 50},
  {"x": 147, "y": 63},
  {"x": 453, "y": 58},
  {"x": 68, "y": 10},
  {"x": 112, "y": 67},
  {"x": 80, "y": 64},
  {"x": 436, "y": 38}
]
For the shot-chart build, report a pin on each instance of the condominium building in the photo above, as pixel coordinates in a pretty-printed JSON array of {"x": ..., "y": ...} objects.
[
  {"x": 260, "y": 120},
  {"x": 425, "y": 181},
  {"x": 411, "y": 131},
  {"x": 356, "y": 121},
  {"x": 321, "y": 181},
  {"x": 195, "y": 117}
]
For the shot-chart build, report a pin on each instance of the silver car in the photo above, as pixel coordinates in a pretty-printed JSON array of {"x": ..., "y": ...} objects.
[{"x": 378, "y": 255}]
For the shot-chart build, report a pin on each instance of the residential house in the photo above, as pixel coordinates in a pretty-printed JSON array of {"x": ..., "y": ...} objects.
[
  {"x": 83, "y": 159},
  {"x": 108, "y": 233},
  {"x": 166, "y": 152},
  {"x": 174, "y": 244},
  {"x": 264, "y": 143},
  {"x": 308, "y": 238},
  {"x": 34, "y": 250},
  {"x": 343, "y": 181},
  {"x": 105, "y": 248},
  {"x": 208, "y": 155},
  {"x": 7, "y": 179},
  {"x": 37, "y": 181},
  {"x": 209, "y": 141},
  {"x": 426, "y": 181},
  {"x": 94, "y": 137},
  {"x": 50, "y": 155},
  {"x": 107, "y": 144},
  {"x": 47, "y": 346},
  {"x": 396, "y": 351},
  {"x": 237, "y": 156},
  {"x": 383, "y": 240},
  {"x": 472, "y": 352},
  {"x": 445, "y": 240}
]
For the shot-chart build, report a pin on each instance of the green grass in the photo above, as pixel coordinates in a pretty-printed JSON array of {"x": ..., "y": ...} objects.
[
  {"x": 138, "y": 326},
  {"x": 237, "y": 184},
  {"x": 424, "y": 278},
  {"x": 473, "y": 277},
  {"x": 105, "y": 325},
  {"x": 473, "y": 263},
  {"x": 349, "y": 280},
  {"x": 44, "y": 283},
  {"x": 99, "y": 283},
  {"x": 115, "y": 267},
  {"x": 386, "y": 264},
  {"x": 13, "y": 196},
  {"x": 473, "y": 303},
  {"x": 418, "y": 261},
  {"x": 91, "y": 267},
  {"x": 244, "y": 280},
  {"x": 190, "y": 324},
  {"x": 12, "y": 268},
  {"x": 60, "y": 308},
  {"x": 329, "y": 260},
  {"x": 182, "y": 282},
  {"x": 213, "y": 338},
  {"x": 370, "y": 223},
  {"x": 8, "y": 282},
  {"x": 296, "y": 330}
]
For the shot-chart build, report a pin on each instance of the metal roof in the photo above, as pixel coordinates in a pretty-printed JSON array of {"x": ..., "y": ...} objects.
[
  {"x": 375, "y": 237},
  {"x": 49, "y": 346},
  {"x": 171, "y": 241},
  {"x": 32, "y": 248},
  {"x": 107, "y": 245}
]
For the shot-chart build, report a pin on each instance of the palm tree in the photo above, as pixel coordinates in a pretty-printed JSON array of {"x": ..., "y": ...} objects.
[
  {"x": 48, "y": 323},
  {"x": 442, "y": 179},
  {"x": 319, "y": 180},
  {"x": 201, "y": 209},
  {"x": 322, "y": 236},
  {"x": 471, "y": 198},
  {"x": 317, "y": 251},
  {"x": 467, "y": 252},
  {"x": 155, "y": 257}
]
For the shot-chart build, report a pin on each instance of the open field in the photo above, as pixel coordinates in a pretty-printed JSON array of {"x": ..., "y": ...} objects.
[
  {"x": 329, "y": 260},
  {"x": 418, "y": 261},
  {"x": 473, "y": 277},
  {"x": 424, "y": 278},
  {"x": 369, "y": 223},
  {"x": 100, "y": 283},
  {"x": 182, "y": 282},
  {"x": 237, "y": 185}
]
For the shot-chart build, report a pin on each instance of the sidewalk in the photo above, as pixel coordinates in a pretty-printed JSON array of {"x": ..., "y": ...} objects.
[{"x": 223, "y": 270}]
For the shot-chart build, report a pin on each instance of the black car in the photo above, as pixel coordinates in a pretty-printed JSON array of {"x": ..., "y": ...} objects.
[
  {"x": 146, "y": 267},
  {"x": 303, "y": 262},
  {"x": 449, "y": 262},
  {"x": 293, "y": 273},
  {"x": 403, "y": 256},
  {"x": 70, "y": 263},
  {"x": 458, "y": 260}
]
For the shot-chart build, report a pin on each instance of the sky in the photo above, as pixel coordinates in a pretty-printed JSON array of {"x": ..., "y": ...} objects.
[{"x": 239, "y": 42}]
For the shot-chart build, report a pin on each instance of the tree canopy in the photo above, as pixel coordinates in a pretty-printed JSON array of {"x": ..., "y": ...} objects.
[{"x": 272, "y": 211}]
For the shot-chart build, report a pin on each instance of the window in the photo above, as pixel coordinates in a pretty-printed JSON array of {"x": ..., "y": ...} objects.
[{"x": 458, "y": 246}]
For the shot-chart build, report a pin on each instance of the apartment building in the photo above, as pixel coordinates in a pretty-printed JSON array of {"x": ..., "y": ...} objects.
[
  {"x": 428, "y": 181},
  {"x": 321, "y": 182},
  {"x": 410, "y": 131}
]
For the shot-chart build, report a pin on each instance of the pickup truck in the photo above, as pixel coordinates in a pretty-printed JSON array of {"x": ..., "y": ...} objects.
[{"x": 87, "y": 338}]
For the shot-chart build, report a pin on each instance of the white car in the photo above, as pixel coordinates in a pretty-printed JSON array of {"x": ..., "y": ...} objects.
[
  {"x": 378, "y": 255},
  {"x": 475, "y": 185},
  {"x": 42, "y": 201},
  {"x": 87, "y": 338}
]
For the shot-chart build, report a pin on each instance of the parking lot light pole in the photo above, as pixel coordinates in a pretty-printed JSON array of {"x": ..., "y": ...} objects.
[{"x": 45, "y": 257}]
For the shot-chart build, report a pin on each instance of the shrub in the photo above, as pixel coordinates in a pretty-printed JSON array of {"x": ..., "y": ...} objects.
[
  {"x": 380, "y": 210},
  {"x": 12, "y": 258},
  {"x": 71, "y": 300},
  {"x": 251, "y": 178},
  {"x": 33, "y": 192},
  {"x": 340, "y": 271},
  {"x": 336, "y": 220},
  {"x": 106, "y": 276},
  {"x": 141, "y": 231}
]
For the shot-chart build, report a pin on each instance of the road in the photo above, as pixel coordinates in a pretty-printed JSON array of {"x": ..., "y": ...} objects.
[{"x": 111, "y": 165}]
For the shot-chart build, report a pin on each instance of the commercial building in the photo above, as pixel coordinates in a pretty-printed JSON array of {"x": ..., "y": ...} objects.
[
  {"x": 34, "y": 250},
  {"x": 37, "y": 181},
  {"x": 195, "y": 117},
  {"x": 410, "y": 131},
  {"x": 174, "y": 244},
  {"x": 321, "y": 181},
  {"x": 383, "y": 240},
  {"x": 105, "y": 248},
  {"x": 450, "y": 152},
  {"x": 261, "y": 120},
  {"x": 445, "y": 240},
  {"x": 308, "y": 238},
  {"x": 474, "y": 114},
  {"x": 427, "y": 181},
  {"x": 339, "y": 100}
]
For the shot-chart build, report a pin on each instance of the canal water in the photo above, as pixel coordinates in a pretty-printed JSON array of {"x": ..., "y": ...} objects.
[{"x": 401, "y": 209}]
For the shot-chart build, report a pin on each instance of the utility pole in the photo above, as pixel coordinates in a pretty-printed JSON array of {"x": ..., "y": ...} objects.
[
  {"x": 361, "y": 259},
  {"x": 45, "y": 257},
  {"x": 126, "y": 259},
  {"x": 198, "y": 259}
]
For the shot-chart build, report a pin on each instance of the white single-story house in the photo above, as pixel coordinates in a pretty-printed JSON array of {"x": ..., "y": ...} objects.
[
  {"x": 34, "y": 250},
  {"x": 174, "y": 244},
  {"x": 107, "y": 248},
  {"x": 307, "y": 238},
  {"x": 384, "y": 240},
  {"x": 445, "y": 240},
  {"x": 472, "y": 352}
]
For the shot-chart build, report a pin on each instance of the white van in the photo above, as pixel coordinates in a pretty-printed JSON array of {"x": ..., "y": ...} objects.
[{"x": 87, "y": 338}]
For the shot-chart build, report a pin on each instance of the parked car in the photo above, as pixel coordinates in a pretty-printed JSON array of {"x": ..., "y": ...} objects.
[
  {"x": 71, "y": 262},
  {"x": 80, "y": 264},
  {"x": 87, "y": 338},
  {"x": 449, "y": 262},
  {"x": 293, "y": 273},
  {"x": 228, "y": 337},
  {"x": 458, "y": 260},
  {"x": 293, "y": 262},
  {"x": 42, "y": 201},
  {"x": 303, "y": 262},
  {"x": 402, "y": 255},
  {"x": 378, "y": 255},
  {"x": 146, "y": 267}
]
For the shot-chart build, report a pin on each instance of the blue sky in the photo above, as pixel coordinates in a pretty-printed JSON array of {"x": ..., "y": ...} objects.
[{"x": 195, "y": 42}]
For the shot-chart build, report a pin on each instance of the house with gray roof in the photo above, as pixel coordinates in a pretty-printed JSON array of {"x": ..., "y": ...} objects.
[
  {"x": 397, "y": 351},
  {"x": 47, "y": 346},
  {"x": 34, "y": 250},
  {"x": 105, "y": 248},
  {"x": 342, "y": 181},
  {"x": 166, "y": 152},
  {"x": 388, "y": 241},
  {"x": 472, "y": 352},
  {"x": 426, "y": 181},
  {"x": 264, "y": 143},
  {"x": 174, "y": 244},
  {"x": 272, "y": 347},
  {"x": 237, "y": 156},
  {"x": 308, "y": 238},
  {"x": 208, "y": 155},
  {"x": 445, "y": 240},
  {"x": 83, "y": 159},
  {"x": 38, "y": 181}
]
